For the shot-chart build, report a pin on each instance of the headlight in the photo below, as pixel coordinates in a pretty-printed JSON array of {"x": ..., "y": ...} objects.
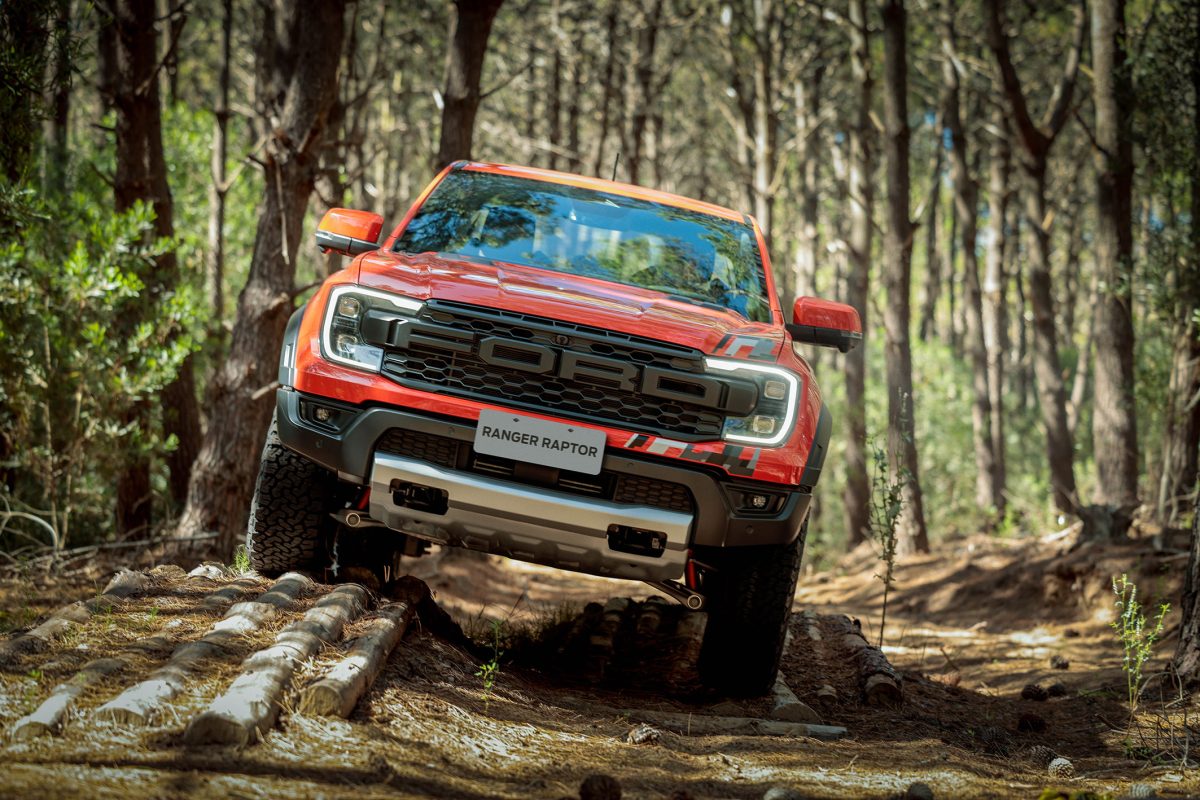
[
  {"x": 341, "y": 334},
  {"x": 778, "y": 392}
]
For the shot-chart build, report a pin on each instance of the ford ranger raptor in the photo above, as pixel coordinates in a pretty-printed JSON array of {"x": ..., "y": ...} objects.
[{"x": 563, "y": 370}]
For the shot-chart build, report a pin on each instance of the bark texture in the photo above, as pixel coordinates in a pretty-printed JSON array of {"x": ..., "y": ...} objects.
[
  {"x": 1181, "y": 450},
  {"x": 141, "y": 176},
  {"x": 995, "y": 307},
  {"x": 470, "y": 26},
  {"x": 1114, "y": 419},
  {"x": 897, "y": 280},
  {"x": 303, "y": 48},
  {"x": 857, "y": 495},
  {"x": 1036, "y": 139},
  {"x": 989, "y": 485},
  {"x": 1187, "y": 654}
]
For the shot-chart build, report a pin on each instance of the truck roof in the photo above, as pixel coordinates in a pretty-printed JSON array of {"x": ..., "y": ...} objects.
[{"x": 602, "y": 185}]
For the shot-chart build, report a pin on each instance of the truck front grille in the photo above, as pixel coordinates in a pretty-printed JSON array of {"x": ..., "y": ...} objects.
[
  {"x": 441, "y": 352},
  {"x": 617, "y": 487}
]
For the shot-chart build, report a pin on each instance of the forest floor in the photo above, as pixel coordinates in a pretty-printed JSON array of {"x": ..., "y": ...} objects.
[{"x": 968, "y": 626}]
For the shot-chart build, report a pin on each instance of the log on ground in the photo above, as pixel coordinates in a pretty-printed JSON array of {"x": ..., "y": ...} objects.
[
  {"x": 247, "y": 709},
  {"x": 339, "y": 690},
  {"x": 879, "y": 682},
  {"x": 144, "y": 701},
  {"x": 48, "y": 717},
  {"x": 124, "y": 584}
]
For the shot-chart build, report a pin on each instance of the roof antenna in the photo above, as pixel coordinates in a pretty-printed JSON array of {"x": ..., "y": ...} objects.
[{"x": 616, "y": 160}]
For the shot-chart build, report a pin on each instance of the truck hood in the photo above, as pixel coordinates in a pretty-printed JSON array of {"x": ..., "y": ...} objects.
[{"x": 573, "y": 298}]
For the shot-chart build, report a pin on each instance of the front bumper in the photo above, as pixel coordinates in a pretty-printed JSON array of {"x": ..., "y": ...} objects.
[{"x": 347, "y": 444}]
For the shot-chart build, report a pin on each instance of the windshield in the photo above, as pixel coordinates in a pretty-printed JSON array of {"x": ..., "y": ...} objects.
[{"x": 689, "y": 255}]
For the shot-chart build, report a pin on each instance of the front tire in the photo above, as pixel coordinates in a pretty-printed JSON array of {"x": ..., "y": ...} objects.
[
  {"x": 290, "y": 519},
  {"x": 749, "y": 596}
]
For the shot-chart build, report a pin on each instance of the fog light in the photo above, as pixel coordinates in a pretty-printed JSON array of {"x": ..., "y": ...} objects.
[
  {"x": 762, "y": 425},
  {"x": 775, "y": 390},
  {"x": 349, "y": 306},
  {"x": 758, "y": 501},
  {"x": 322, "y": 414}
]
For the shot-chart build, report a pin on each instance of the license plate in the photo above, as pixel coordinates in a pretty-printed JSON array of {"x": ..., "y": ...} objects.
[{"x": 538, "y": 441}]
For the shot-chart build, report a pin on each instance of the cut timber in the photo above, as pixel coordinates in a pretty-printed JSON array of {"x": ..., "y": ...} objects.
[
  {"x": 878, "y": 680},
  {"x": 224, "y": 597},
  {"x": 703, "y": 725},
  {"x": 338, "y": 691},
  {"x": 249, "y": 706},
  {"x": 124, "y": 584},
  {"x": 786, "y": 707},
  {"x": 142, "y": 702},
  {"x": 49, "y": 716}
]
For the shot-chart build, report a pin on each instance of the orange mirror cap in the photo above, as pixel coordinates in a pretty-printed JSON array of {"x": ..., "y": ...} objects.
[
  {"x": 353, "y": 224},
  {"x": 825, "y": 324},
  {"x": 818, "y": 313}
]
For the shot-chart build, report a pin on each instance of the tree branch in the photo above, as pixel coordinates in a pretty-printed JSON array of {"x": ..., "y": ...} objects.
[
  {"x": 1033, "y": 139},
  {"x": 1060, "y": 102}
]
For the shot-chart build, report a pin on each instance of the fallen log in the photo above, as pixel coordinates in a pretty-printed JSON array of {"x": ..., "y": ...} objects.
[
  {"x": 226, "y": 595},
  {"x": 705, "y": 725},
  {"x": 786, "y": 707},
  {"x": 124, "y": 584},
  {"x": 48, "y": 717},
  {"x": 247, "y": 709},
  {"x": 339, "y": 690},
  {"x": 879, "y": 682},
  {"x": 143, "y": 702}
]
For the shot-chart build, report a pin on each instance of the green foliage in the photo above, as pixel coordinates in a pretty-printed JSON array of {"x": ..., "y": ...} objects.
[
  {"x": 489, "y": 671},
  {"x": 1137, "y": 638},
  {"x": 886, "y": 504},
  {"x": 82, "y": 343},
  {"x": 241, "y": 561}
]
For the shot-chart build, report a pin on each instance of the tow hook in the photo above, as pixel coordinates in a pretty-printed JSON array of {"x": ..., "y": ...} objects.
[{"x": 692, "y": 600}]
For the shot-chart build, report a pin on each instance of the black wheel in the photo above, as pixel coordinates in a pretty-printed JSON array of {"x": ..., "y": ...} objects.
[
  {"x": 289, "y": 516},
  {"x": 749, "y": 599}
]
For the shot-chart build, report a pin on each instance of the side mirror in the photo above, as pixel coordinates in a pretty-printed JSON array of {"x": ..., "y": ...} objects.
[
  {"x": 825, "y": 323},
  {"x": 349, "y": 232}
]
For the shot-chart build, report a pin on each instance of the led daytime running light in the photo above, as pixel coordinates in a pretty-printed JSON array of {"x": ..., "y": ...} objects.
[
  {"x": 776, "y": 373},
  {"x": 329, "y": 341}
]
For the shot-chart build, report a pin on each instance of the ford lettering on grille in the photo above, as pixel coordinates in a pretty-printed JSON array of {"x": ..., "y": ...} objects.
[{"x": 484, "y": 355}]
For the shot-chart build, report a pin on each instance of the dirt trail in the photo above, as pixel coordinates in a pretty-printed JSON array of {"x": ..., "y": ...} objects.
[{"x": 959, "y": 629}]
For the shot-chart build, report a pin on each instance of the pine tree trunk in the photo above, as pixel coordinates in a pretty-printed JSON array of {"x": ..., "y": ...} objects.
[
  {"x": 1114, "y": 418},
  {"x": 240, "y": 395},
  {"x": 1181, "y": 442},
  {"x": 995, "y": 309},
  {"x": 897, "y": 280},
  {"x": 141, "y": 176},
  {"x": 59, "y": 118},
  {"x": 608, "y": 90},
  {"x": 857, "y": 494},
  {"x": 642, "y": 80},
  {"x": 1187, "y": 653},
  {"x": 217, "y": 189},
  {"x": 933, "y": 264},
  {"x": 470, "y": 27}
]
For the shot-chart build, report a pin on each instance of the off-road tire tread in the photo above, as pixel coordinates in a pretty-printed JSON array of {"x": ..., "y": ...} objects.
[
  {"x": 289, "y": 516},
  {"x": 749, "y": 604}
]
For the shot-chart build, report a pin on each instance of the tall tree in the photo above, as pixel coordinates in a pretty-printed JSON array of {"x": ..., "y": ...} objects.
[
  {"x": 57, "y": 156},
  {"x": 24, "y": 30},
  {"x": 1036, "y": 139},
  {"x": 897, "y": 280},
  {"x": 219, "y": 187},
  {"x": 857, "y": 495},
  {"x": 470, "y": 26},
  {"x": 995, "y": 285},
  {"x": 1181, "y": 441},
  {"x": 989, "y": 484},
  {"x": 1114, "y": 418},
  {"x": 141, "y": 177},
  {"x": 299, "y": 55},
  {"x": 1187, "y": 652}
]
